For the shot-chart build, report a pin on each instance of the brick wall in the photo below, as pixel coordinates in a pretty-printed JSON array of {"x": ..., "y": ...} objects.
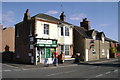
[
  {"x": 8, "y": 39},
  {"x": 78, "y": 46},
  {"x": 22, "y": 44}
]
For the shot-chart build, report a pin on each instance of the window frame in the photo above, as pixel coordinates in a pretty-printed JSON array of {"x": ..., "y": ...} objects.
[
  {"x": 62, "y": 31},
  {"x": 64, "y": 49},
  {"x": 67, "y": 32},
  {"x": 31, "y": 29},
  {"x": 46, "y": 29}
]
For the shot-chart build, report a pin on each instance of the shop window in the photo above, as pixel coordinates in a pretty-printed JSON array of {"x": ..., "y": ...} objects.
[
  {"x": 66, "y": 31},
  {"x": 46, "y": 29}
]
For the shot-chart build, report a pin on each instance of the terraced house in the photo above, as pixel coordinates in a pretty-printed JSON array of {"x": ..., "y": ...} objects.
[
  {"x": 92, "y": 44},
  {"x": 38, "y": 36}
]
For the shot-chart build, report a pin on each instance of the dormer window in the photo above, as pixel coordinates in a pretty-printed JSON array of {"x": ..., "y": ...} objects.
[
  {"x": 103, "y": 39},
  {"x": 94, "y": 37}
]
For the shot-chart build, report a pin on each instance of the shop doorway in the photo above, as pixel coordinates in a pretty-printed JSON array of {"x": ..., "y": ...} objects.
[
  {"x": 45, "y": 53},
  {"x": 41, "y": 55}
]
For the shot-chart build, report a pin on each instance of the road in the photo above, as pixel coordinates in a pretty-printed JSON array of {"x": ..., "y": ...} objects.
[{"x": 100, "y": 70}]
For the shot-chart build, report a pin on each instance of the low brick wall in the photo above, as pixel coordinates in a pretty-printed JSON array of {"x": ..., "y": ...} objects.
[{"x": 8, "y": 56}]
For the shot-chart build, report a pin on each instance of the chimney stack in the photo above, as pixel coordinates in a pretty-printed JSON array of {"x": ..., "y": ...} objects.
[
  {"x": 27, "y": 15},
  {"x": 62, "y": 17},
  {"x": 85, "y": 24}
]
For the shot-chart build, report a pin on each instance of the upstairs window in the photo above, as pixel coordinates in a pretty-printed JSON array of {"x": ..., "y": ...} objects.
[
  {"x": 94, "y": 37},
  {"x": 46, "y": 29},
  {"x": 66, "y": 31},
  {"x": 62, "y": 31},
  {"x": 17, "y": 32},
  {"x": 103, "y": 39},
  {"x": 30, "y": 29}
]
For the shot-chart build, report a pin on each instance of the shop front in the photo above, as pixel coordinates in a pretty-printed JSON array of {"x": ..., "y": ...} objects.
[{"x": 45, "y": 49}]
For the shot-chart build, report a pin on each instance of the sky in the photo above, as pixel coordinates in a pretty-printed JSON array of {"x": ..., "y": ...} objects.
[{"x": 103, "y": 16}]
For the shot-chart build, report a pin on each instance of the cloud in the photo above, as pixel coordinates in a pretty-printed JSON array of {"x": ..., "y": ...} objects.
[
  {"x": 102, "y": 25},
  {"x": 8, "y": 19},
  {"x": 77, "y": 16},
  {"x": 52, "y": 12}
]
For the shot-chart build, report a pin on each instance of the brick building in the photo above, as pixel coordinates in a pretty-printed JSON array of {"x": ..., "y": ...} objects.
[
  {"x": 38, "y": 36},
  {"x": 8, "y": 39}
]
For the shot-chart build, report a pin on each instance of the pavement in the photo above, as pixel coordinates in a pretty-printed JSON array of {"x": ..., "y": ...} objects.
[{"x": 65, "y": 64}]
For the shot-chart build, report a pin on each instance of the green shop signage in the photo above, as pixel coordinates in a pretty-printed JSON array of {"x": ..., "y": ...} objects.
[{"x": 46, "y": 43}]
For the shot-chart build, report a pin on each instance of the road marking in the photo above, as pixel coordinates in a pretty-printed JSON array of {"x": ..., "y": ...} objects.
[
  {"x": 6, "y": 70},
  {"x": 16, "y": 69},
  {"x": 10, "y": 65},
  {"x": 25, "y": 69},
  {"x": 94, "y": 67},
  {"x": 107, "y": 72},
  {"x": 115, "y": 70},
  {"x": 62, "y": 73},
  {"x": 99, "y": 75}
]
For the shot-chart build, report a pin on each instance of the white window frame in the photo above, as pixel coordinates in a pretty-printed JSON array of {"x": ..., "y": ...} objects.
[
  {"x": 61, "y": 31},
  {"x": 67, "y": 31},
  {"x": 94, "y": 37},
  {"x": 46, "y": 30},
  {"x": 103, "y": 52},
  {"x": 103, "y": 39},
  {"x": 31, "y": 46},
  {"x": 64, "y": 50}
]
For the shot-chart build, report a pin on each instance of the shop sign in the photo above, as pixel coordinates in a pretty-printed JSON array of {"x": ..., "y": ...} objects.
[
  {"x": 44, "y": 41},
  {"x": 46, "y": 45},
  {"x": 54, "y": 42},
  {"x": 40, "y": 45}
]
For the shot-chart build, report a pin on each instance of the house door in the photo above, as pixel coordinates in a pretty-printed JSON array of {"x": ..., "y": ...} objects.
[
  {"x": 86, "y": 54},
  {"x": 107, "y": 54}
]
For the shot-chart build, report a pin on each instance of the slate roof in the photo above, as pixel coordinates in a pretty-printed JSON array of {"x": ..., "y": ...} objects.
[
  {"x": 108, "y": 39},
  {"x": 82, "y": 31},
  {"x": 50, "y": 18}
]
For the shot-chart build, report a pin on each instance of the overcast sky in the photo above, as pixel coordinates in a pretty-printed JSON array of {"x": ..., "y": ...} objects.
[{"x": 103, "y": 16}]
